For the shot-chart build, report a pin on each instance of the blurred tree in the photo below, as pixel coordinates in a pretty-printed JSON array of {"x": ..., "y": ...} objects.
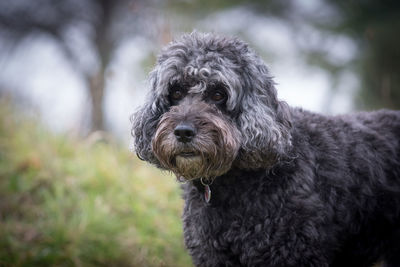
[
  {"x": 375, "y": 26},
  {"x": 97, "y": 23}
]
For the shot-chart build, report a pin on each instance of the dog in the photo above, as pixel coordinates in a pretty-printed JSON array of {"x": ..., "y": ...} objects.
[{"x": 266, "y": 184}]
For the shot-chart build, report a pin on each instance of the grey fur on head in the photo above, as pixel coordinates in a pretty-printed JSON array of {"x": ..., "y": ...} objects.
[
  {"x": 289, "y": 187},
  {"x": 252, "y": 104}
]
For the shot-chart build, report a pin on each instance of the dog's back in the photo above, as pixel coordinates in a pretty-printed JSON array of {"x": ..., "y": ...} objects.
[{"x": 356, "y": 162}]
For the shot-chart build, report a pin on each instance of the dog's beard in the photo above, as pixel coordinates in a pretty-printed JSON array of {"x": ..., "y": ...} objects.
[
  {"x": 189, "y": 167},
  {"x": 208, "y": 155}
]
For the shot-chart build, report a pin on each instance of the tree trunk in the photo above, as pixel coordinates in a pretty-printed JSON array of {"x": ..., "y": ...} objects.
[
  {"x": 96, "y": 90},
  {"x": 96, "y": 82}
]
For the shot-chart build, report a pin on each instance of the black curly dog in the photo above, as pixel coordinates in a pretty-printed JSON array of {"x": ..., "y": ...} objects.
[{"x": 267, "y": 184}]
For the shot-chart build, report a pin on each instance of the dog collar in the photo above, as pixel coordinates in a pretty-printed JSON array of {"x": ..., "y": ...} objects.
[{"x": 206, "y": 182}]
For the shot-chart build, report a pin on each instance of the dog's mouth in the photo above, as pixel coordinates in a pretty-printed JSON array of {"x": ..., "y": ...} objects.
[{"x": 188, "y": 154}]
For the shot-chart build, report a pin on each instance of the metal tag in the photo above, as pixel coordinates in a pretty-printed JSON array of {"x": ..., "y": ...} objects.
[{"x": 207, "y": 193}]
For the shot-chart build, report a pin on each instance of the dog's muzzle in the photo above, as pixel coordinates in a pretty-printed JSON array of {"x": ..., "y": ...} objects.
[{"x": 196, "y": 141}]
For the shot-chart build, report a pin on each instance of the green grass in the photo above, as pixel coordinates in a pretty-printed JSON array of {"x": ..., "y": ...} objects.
[{"x": 69, "y": 202}]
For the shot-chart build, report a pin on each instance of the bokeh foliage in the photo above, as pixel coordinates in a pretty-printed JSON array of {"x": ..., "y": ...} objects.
[
  {"x": 66, "y": 202},
  {"x": 375, "y": 26}
]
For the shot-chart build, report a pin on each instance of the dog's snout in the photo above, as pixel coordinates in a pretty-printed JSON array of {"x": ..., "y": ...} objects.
[{"x": 184, "y": 132}]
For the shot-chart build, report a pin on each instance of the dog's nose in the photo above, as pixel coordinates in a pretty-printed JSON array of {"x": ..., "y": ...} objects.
[{"x": 184, "y": 132}]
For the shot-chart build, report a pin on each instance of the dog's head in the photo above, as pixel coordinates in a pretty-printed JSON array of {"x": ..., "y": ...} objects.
[{"x": 212, "y": 106}]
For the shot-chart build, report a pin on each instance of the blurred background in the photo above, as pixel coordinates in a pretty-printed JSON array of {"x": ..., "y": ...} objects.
[{"x": 73, "y": 71}]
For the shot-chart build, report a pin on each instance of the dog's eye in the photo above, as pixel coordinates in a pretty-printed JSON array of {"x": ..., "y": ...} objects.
[
  {"x": 218, "y": 96},
  {"x": 176, "y": 94}
]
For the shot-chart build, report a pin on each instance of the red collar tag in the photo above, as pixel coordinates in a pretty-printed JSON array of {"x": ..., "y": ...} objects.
[{"x": 207, "y": 193}]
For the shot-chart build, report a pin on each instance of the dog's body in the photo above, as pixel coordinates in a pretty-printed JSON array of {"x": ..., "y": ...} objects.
[
  {"x": 337, "y": 203},
  {"x": 288, "y": 187}
]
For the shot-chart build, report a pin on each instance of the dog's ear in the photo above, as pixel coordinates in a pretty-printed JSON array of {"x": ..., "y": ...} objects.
[
  {"x": 145, "y": 121},
  {"x": 143, "y": 125},
  {"x": 264, "y": 122}
]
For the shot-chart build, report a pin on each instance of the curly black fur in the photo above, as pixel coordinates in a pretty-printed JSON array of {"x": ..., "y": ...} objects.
[{"x": 304, "y": 189}]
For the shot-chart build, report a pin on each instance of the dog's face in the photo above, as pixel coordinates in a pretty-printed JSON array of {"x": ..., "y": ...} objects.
[
  {"x": 212, "y": 107},
  {"x": 196, "y": 138}
]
